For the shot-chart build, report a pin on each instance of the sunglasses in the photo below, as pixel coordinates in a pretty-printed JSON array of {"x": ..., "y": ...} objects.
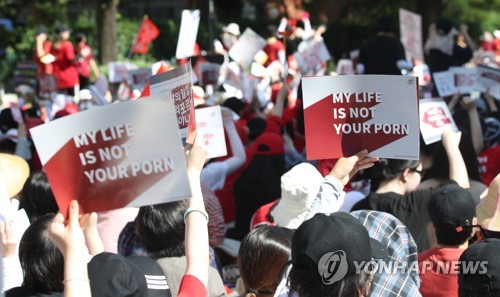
[{"x": 421, "y": 172}]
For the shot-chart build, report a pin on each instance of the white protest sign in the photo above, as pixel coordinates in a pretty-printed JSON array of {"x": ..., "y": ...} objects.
[
  {"x": 410, "y": 25},
  {"x": 311, "y": 56},
  {"x": 118, "y": 71},
  {"x": 345, "y": 114},
  {"x": 489, "y": 80},
  {"x": 345, "y": 66},
  {"x": 139, "y": 78},
  {"x": 187, "y": 34},
  {"x": 209, "y": 74},
  {"x": 435, "y": 118},
  {"x": 178, "y": 83},
  {"x": 465, "y": 79},
  {"x": 445, "y": 83},
  {"x": 247, "y": 46},
  {"x": 209, "y": 126},
  {"x": 118, "y": 155}
]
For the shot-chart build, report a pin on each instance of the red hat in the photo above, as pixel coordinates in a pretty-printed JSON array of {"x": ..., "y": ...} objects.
[{"x": 269, "y": 144}]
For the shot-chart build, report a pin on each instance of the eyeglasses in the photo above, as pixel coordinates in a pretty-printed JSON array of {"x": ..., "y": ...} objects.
[{"x": 421, "y": 172}]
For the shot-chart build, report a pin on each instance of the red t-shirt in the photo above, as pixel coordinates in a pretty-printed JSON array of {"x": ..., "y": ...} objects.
[
  {"x": 438, "y": 269},
  {"x": 272, "y": 50},
  {"x": 43, "y": 69},
  {"x": 64, "y": 67},
  {"x": 489, "y": 163},
  {"x": 83, "y": 65},
  {"x": 191, "y": 287}
]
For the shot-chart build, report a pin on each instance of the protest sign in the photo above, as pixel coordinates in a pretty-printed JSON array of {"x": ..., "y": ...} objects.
[
  {"x": 410, "y": 25},
  {"x": 465, "y": 79},
  {"x": 118, "y": 155},
  {"x": 209, "y": 74},
  {"x": 247, "y": 46},
  {"x": 118, "y": 71},
  {"x": 445, "y": 83},
  {"x": 209, "y": 126},
  {"x": 311, "y": 56},
  {"x": 348, "y": 113},
  {"x": 435, "y": 118},
  {"x": 25, "y": 73},
  {"x": 489, "y": 80},
  {"x": 187, "y": 34},
  {"x": 178, "y": 82},
  {"x": 344, "y": 66},
  {"x": 139, "y": 78}
]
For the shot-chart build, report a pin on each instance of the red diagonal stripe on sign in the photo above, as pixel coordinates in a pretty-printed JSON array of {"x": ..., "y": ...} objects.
[
  {"x": 68, "y": 181},
  {"x": 323, "y": 142}
]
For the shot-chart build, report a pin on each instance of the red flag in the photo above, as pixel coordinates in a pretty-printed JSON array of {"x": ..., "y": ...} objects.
[{"x": 147, "y": 33}]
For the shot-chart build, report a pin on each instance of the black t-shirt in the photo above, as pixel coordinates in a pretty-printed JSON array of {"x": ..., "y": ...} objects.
[
  {"x": 380, "y": 54},
  {"x": 411, "y": 209},
  {"x": 25, "y": 292}
]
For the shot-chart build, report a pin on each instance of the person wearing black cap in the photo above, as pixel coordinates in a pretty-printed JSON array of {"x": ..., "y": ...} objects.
[
  {"x": 383, "y": 53},
  {"x": 65, "y": 62},
  {"x": 484, "y": 281},
  {"x": 331, "y": 255},
  {"x": 452, "y": 212}
]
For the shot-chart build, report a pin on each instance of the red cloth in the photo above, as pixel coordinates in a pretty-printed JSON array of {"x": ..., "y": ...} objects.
[
  {"x": 163, "y": 68},
  {"x": 191, "y": 287},
  {"x": 83, "y": 66},
  {"x": 436, "y": 282},
  {"x": 43, "y": 69},
  {"x": 64, "y": 67},
  {"x": 147, "y": 33},
  {"x": 272, "y": 50},
  {"x": 489, "y": 163}
]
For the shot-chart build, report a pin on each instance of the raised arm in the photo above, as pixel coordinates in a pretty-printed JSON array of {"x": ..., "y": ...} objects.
[
  {"x": 197, "y": 250},
  {"x": 458, "y": 170},
  {"x": 239, "y": 156},
  {"x": 69, "y": 237},
  {"x": 475, "y": 125}
]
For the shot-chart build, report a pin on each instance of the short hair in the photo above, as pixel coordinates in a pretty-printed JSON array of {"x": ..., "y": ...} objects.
[
  {"x": 263, "y": 256},
  {"x": 41, "y": 260},
  {"x": 37, "y": 198},
  {"x": 388, "y": 169},
  {"x": 349, "y": 286},
  {"x": 79, "y": 37},
  {"x": 161, "y": 229},
  {"x": 450, "y": 237}
]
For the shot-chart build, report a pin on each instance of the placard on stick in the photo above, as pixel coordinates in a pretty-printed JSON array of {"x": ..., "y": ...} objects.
[
  {"x": 118, "y": 155},
  {"x": 346, "y": 114},
  {"x": 209, "y": 126},
  {"x": 247, "y": 46},
  {"x": 435, "y": 118}
]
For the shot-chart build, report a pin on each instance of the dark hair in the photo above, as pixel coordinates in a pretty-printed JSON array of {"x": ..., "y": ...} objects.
[
  {"x": 37, "y": 198},
  {"x": 441, "y": 166},
  {"x": 161, "y": 229},
  {"x": 465, "y": 293},
  {"x": 79, "y": 37},
  {"x": 349, "y": 286},
  {"x": 450, "y": 237},
  {"x": 41, "y": 260},
  {"x": 263, "y": 256},
  {"x": 388, "y": 169},
  {"x": 259, "y": 184}
]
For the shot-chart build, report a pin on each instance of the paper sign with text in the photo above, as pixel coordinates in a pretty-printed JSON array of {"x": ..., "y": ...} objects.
[
  {"x": 410, "y": 25},
  {"x": 311, "y": 56},
  {"x": 178, "y": 82},
  {"x": 489, "y": 80},
  {"x": 118, "y": 71},
  {"x": 139, "y": 78},
  {"x": 348, "y": 113},
  {"x": 435, "y": 118},
  {"x": 209, "y": 126},
  {"x": 445, "y": 83},
  {"x": 187, "y": 34},
  {"x": 247, "y": 46},
  {"x": 465, "y": 79},
  {"x": 209, "y": 74},
  {"x": 118, "y": 155}
]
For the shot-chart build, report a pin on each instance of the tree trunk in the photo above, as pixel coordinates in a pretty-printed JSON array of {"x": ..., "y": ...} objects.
[
  {"x": 106, "y": 27},
  {"x": 431, "y": 11}
]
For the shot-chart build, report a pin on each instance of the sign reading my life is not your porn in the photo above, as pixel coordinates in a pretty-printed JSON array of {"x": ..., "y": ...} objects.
[
  {"x": 349, "y": 113},
  {"x": 119, "y": 155},
  {"x": 435, "y": 118}
]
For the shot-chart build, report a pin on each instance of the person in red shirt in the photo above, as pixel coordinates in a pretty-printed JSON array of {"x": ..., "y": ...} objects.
[
  {"x": 453, "y": 214},
  {"x": 65, "y": 62},
  {"x": 86, "y": 61}
]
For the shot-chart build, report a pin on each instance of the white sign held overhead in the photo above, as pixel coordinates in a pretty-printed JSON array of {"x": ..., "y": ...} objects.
[{"x": 187, "y": 34}]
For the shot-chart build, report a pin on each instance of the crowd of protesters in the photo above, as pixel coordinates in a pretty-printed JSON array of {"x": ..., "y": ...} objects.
[{"x": 264, "y": 221}]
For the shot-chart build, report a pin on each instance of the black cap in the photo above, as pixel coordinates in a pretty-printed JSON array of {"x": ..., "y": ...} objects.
[
  {"x": 41, "y": 30},
  {"x": 235, "y": 104},
  {"x": 386, "y": 24},
  {"x": 114, "y": 275},
  {"x": 486, "y": 257},
  {"x": 256, "y": 127},
  {"x": 339, "y": 237},
  {"x": 62, "y": 28},
  {"x": 452, "y": 207}
]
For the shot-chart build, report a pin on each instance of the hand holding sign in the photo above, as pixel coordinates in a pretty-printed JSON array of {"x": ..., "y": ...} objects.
[
  {"x": 451, "y": 140},
  {"x": 346, "y": 168}
]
